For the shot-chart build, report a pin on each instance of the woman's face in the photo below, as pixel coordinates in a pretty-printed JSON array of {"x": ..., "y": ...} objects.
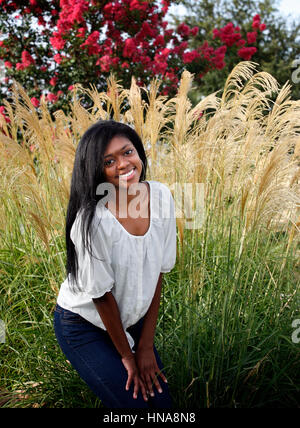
[{"x": 122, "y": 164}]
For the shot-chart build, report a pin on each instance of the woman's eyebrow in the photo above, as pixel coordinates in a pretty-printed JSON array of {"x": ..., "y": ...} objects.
[{"x": 111, "y": 154}]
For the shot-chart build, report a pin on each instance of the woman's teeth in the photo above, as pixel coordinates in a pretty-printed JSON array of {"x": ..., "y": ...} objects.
[{"x": 126, "y": 175}]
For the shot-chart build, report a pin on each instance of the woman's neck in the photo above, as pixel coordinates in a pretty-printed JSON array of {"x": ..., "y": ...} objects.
[{"x": 123, "y": 203}]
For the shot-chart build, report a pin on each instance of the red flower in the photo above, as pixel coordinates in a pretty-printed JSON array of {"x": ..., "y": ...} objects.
[
  {"x": 57, "y": 58},
  {"x": 138, "y": 5},
  {"x": 216, "y": 33},
  {"x": 183, "y": 30},
  {"x": 218, "y": 58},
  {"x": 41, "y": 21},
  {"x": 129, "y": 48},
  {"x": 27, "y": 59},
  {"x": 104, "y": 63},
  {"x": 35, "y": 101},
  {"x": 251, "y": 37},
  {"x": 148, "y": 30},
  {"x": 53, "y": 81},
  {"x": 256, "y": 21},
  {"x": 160, "y": 67},
  {"x": 194, "y": 31},
  {"x": 190, "y": 56},
  {"x": 2, "y": 110},
  {"x": 262, "y": 27},
  {"x": 240, "y": 42},
  {"x": 145, "y": 61},
  {"x": 165, "y": 6},
  {"x": 92, "y": 43},
  {"x": 108, "y": 9},
  {"x": 78, "y": 11},
  {"x": 227, "y": 34},
  {"x": 80, "y": 32},
  {"x": 246, "y": 52},
  {"x": 57, "y": 41},
  {"x": 52, "y": 97},
  {"x": 159, "y": 41},
  {"x": 8, "y": 64},
  {"x": 165, "y": 53}
]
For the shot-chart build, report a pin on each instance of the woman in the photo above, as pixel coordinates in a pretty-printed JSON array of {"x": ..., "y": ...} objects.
[{"x": 120, "y": 239}]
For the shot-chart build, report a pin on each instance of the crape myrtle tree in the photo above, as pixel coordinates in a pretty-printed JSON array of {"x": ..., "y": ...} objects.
[
  {"x": 48, "y": 46},
  {"x": 276, "y": 39}
]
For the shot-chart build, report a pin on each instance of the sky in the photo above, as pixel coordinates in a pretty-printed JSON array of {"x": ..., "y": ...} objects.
[
  {"x": 292, "y": 7},
  {"x": 285, "y": 7}
]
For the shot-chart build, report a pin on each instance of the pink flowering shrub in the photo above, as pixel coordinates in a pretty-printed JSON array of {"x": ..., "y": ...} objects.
[
  {"x": 85, "y": 40},
  {"x": 231, "y": 36}
]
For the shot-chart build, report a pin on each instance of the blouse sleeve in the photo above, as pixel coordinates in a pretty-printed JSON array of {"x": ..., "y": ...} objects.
[
  {"x": 95, "y": 273},
  {"x": 169, "y": 250}
]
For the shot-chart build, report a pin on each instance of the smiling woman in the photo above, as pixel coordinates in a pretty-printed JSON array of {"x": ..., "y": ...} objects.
[
  {"x": 122, "y": 162},
  {"x": 123, "y": 169},
  {"x": 107, "y": 308}
]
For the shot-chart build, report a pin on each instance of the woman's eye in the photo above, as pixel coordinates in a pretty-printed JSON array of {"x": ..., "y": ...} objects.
[
  {"x": 129, "y": 152},
  {"x": 108, "y": 162}
]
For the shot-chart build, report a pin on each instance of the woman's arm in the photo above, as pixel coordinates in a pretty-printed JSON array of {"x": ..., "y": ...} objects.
[
  {"x": 145, "y": 357},
  {"x": 148, "y": 331},
  {"x": 110, "y": 315},
  {"x": 109, "y": 312}
]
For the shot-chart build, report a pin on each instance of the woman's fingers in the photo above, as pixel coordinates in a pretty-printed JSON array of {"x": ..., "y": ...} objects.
[
  {"x": 156, "y": 383},
  {"x": 138, "y": 385},
  {"x": 151, "y": 379},
  {"x": 143, "y": 390},
  {"x": 148, "y": 382},
  {"x": 129, "y": 380},
  {"x": 163, "y": 377}
]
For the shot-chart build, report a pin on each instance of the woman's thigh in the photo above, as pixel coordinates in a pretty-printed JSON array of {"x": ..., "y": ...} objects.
[{"x": 92, "y": 353}]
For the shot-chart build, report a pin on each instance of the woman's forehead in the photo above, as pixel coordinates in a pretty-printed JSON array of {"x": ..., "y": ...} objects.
[{"x": 117, "y": 144}]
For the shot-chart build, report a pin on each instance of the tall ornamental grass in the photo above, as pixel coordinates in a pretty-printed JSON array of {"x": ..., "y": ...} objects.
[{"x": 225, "y": 325}]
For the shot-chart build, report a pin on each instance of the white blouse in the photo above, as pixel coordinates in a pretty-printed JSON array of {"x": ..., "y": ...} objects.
[{"x": 125, "y": 264}]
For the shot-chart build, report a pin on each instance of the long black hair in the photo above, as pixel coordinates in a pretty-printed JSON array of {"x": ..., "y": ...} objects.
[{"x": 86, "y": 176}]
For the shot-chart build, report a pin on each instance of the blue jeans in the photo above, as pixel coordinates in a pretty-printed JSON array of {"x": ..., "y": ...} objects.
[{"x": 92, "y": 353}]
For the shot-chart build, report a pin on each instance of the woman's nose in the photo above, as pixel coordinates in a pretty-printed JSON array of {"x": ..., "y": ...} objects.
[{"x": 122, "y": 163}]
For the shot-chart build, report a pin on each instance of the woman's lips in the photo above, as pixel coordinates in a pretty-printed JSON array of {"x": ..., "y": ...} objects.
[{"x": 128, "y": 175}]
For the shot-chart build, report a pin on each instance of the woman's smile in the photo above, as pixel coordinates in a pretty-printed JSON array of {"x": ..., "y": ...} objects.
[{"x": 129, "y": 175}]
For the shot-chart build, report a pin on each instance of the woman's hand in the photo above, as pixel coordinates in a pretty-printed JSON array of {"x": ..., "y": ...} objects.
[
  {"x": 148, "y": 369},
  {"x": 133, "y": 375}
]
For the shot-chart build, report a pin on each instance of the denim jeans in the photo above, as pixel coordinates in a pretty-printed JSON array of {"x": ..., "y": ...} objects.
[{"x": 94, "y": 356}]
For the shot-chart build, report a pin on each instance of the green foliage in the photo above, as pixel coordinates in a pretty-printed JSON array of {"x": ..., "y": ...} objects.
[
  {"x": 277, "y": 47},
  {"x": 224, "y": 330}
]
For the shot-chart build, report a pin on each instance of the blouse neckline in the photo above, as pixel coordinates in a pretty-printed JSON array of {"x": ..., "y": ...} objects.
[{"x": 150, "y": 222}]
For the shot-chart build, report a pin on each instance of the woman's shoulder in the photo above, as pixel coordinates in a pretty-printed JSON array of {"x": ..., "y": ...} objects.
[
  {"x": 163, "y": 187},
  {"x": 162, "y": 198}
]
